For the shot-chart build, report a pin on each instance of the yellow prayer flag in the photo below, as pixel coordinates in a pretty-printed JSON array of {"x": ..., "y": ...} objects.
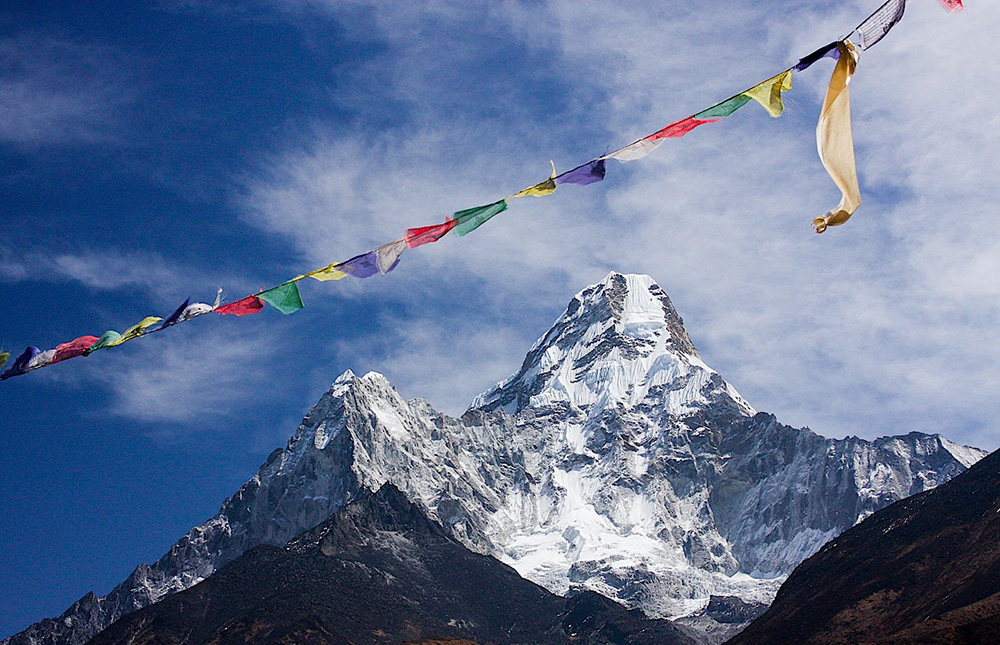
[
  {"x": 136, "y": 330},
  {"x": 835, "y": 141},
  {"x": 541, "y": 189},
  {"x": 768, "y": 93},
  {"x": 328, "y": 272}
]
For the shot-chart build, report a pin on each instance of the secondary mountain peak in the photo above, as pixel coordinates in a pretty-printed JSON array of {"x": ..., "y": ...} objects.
[
  {"x": 380, "y": 571},
  {"x": 923, "y": 570}
]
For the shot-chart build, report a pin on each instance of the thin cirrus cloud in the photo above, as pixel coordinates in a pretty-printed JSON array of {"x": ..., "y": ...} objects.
[
  {"x": 101, "y": 270},
  {"x": 58, "y": 91},
  {"x": 413, "y": 355},
  {"x": 201, "y": 377}
]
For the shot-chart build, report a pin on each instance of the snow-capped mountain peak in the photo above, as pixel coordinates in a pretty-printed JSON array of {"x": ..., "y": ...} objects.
[{"x": 618, "y": 342}]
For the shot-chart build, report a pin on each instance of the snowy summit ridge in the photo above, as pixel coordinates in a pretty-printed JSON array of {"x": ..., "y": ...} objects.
[
  {"x": 617, "y": 341},
  {"x": 614, "y": 460}
]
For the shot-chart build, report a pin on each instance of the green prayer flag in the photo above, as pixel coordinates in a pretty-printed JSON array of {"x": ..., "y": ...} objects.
[
  {"x": 472, "y": 218},
  {"x": 106, "y": 340},
  {"x": 724, "y": 109},
  {"x": 285, "y": 298}
]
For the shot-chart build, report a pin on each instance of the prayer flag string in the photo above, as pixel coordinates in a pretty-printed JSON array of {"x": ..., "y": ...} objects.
[{"x": 834, "y": 142}]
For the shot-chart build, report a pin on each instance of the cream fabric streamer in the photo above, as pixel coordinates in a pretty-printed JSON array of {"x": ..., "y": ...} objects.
[{"x": 835, "y": 141}]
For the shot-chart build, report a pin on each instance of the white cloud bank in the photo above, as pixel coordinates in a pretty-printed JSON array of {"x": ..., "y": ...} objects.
[{"x": 881, "y": 326}]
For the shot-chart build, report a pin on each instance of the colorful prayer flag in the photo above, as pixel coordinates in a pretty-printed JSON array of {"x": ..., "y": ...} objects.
[
  {"x": 73, "y": 348},
  {"x": 541, "y": 189},
  {"x": 175, "y": 317},
  {"x": 387, "y": 256},
  {"x": 877, "y": 25},
  {"x": 103, "y": 342},
  {"x": 243, "y": 307},
  {"x": 634, "y": 151},
  {"x": 360, "y": 266},
  {"x": 952, "y": 5},
  {"x": 768, "y": 93},
  {"x": 426, "y": 234},
  {"x": 835, "y": 141},
  {"x": 41, "y": 359},
  {"x": 329, "y": 272},
  {"x": 472, "y": 218},
  {"x": 678, "y": 129},
  {"x": 826, "y": 51},
  {"x": 136, "y": 330},
  {"x": 724, "y": 109},
  {"x": 199, "y": 308},
  {"x": 588, "y": 173},
  {"x": 194, "y": 310},
  {"x": 285, "y": 298},
  {"x": 20, "y": 364}
]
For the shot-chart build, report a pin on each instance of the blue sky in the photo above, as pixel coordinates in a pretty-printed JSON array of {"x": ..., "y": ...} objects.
[{"x": 153, "y": 151}]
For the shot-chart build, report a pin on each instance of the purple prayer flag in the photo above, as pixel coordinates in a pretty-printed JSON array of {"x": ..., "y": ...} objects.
[
  {"x": 826, "y": 51},
  {"x": 20, "y": 364},
  {"x": 360, "y": 266},
  {"x": 588, "y": 173},
  {"x": 174, "y": 317}
]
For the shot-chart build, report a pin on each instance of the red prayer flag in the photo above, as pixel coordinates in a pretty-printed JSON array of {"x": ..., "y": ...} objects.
[
  {"x": 426, "y": 234},
  {"x": 952, "y": 5},
  {"x": 244, "y": 307},
  {"x": 679, "y": 128},
  {"x": 73, "y": 348}
]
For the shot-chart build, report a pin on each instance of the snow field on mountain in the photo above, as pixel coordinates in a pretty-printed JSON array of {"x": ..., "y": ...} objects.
[{"x": 614, "y": 460}]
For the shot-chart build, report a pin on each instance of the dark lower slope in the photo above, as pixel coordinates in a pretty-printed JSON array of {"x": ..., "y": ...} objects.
[
  {"x": 923, "y": 570},
  {"x": 379, "y": 572}
]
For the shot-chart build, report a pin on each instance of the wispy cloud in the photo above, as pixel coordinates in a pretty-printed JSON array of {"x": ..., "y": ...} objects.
[
  {"x": 194, "y": 378},
  {"x": 58, "y": 91},
  {"x": 102, "y": 270},
  {"x": 429, "y": 358}
]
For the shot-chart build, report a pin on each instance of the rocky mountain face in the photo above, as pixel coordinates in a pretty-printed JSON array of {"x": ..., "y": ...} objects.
[
  {"x": 615, "y": 460},
  {"x": 924, "y": 570},
  {"x": 379, "y": 571}
]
